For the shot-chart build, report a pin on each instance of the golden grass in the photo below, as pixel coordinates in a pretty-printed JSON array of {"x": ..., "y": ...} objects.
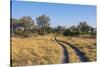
[
  {"x": 35, "y": 51},
  {"x": 43, "y": 50},
  {"x": 72, "y": 56},
  {"x": 86, "y": 45}
]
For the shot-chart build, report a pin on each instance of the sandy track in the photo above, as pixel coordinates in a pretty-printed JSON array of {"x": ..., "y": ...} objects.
[{"x": 71, "y": 53}]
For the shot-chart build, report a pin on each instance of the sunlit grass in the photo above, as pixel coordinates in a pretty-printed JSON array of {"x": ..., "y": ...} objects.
[
  {"x": 38, "y": 50},
  {"x": 35, "y": 51},
  {"x": 86, "y": 45}
]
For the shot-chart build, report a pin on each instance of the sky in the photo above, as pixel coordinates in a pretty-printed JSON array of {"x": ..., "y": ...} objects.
[{"x": 59, "y": 14}]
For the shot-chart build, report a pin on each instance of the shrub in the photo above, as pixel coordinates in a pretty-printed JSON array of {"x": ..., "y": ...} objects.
[{"x": 67, "y": 32}]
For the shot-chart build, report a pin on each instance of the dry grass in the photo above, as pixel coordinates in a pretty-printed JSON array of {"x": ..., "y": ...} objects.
[
  {"x": 86, "y": 45},
  {"x": 42, "y": 50},
  {"x": 72, "y": 56},
  {"x": 35, "y": 51}
]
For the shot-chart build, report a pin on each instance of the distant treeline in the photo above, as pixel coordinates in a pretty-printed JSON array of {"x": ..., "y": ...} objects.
[{"x": 26, "y": 26}]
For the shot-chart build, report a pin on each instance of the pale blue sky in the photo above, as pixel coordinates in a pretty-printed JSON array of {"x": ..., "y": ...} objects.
[{"x": 60, "y": 14}]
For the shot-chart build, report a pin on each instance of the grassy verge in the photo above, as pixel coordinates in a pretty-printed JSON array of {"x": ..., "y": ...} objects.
[
  {"x": 35, "y": 51},
  {"x": 86, "y": 45}
]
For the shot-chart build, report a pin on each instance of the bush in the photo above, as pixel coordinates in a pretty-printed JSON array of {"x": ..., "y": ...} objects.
[
  {"x": 68, "y": 32},
  {"x": 26, "y": 34},
  {"x": 75, "y": 33},
  {"x": 20, "y": 31},
  {"x": 93, "y": 33}
]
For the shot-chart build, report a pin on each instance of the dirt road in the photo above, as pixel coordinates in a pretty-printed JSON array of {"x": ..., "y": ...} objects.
[{"x": 71, "y": 54}]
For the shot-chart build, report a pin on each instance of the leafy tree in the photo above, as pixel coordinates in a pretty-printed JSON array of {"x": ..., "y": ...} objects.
[
  {"x": 93, "y": 31},
  {"x": 83, "y": 27},
  {"x": 27, "y": 23},
  {"x": 67, "y": 32},
  {"x": 23, "y": 26},
  {"x": 60, "y": 29},
  {"x": 73, "y": 28},
  {"x": 13, "y": 25},
  {"x": 43, "y": 23}
]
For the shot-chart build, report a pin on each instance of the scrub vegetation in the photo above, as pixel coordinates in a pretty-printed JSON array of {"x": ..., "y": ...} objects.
[{"x": 37, "y": 43}]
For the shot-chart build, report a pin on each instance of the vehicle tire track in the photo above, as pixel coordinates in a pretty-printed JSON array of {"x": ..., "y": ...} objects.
[
  {"x": 65, "y": 53},
  {"x": 71, "y": 54},
  {"x": 80, "y": 54}
]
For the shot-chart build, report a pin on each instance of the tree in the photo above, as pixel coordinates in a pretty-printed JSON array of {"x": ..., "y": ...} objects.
[
  {"x": 43, "y": 23},
  {"x": 27, "y": 24},
  {"x": 13, "y": 25},
  {"x": 92, "y": 31},
  {"x": 22, "y": 26},
  {"x": 67, "y": 32},
  {"x": 83, "y": 27},
  {"x": 60, "y": 29},
  {"x": 74, "y": 30}
]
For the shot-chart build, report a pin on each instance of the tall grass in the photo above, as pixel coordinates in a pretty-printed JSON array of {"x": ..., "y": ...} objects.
[
  {"x": 35, "y": 51},
  {"x": 86, "y": 45}
]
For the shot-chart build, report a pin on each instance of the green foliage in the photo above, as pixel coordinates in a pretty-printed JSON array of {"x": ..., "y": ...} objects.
[
  {"x": 22, "y": 26},
  {"x": 68, "y": 32},
  {"x": 81, "y": 29},
  {"x": 27, "y": 22},
  {"x": 60, "y": 29},
  {"x": 19, "y": 31},
  {"x": 25, "y": 25},
  {"x": 43, "y": 21},
  {"x": 43, "y": 24}
]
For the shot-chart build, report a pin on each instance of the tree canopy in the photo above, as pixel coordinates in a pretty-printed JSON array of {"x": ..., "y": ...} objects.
[{"x": 26, "y": 25}]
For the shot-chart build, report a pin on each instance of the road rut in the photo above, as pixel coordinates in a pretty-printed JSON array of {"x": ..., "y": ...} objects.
[{"x": 71, "y": 53}]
